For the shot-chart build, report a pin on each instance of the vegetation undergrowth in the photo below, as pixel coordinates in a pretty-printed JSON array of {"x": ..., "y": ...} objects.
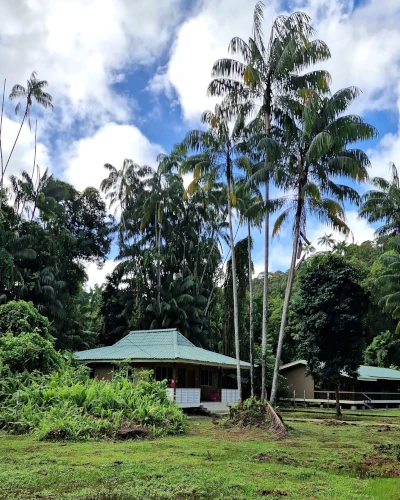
[
  {"x": 69, "y": 405},
  {"x": 352, "y": 462}
]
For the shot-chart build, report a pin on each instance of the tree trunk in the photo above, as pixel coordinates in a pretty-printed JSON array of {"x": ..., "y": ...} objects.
[
  {"x": 208, "y": 260},
  {"x": 337, "y": 394},
  {"x": 288, "y": 292},
  {"x": 16, "y": 140},
  {"x": 265, "y": 300},
  {"x": 235, "y": 297},
  {"x": 264, "y": 334},
  {"x": 251, "y": 313},
  {"x": 1, "y": 148},
  {"x": 158, "y": 262}
]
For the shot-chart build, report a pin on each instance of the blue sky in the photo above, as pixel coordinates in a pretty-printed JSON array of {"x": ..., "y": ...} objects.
[{"x": 129, "y": 80}]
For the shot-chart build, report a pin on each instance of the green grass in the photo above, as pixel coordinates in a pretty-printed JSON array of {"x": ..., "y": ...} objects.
[{"x": 316, "y": 461}]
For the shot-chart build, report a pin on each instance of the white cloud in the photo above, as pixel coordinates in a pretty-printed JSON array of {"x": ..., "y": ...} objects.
[
  {"x": 98, "y": 276},
  {"x": 387, "y": 150},
  {"x": 360, "y": 231},
  {"x": 365, "y": 45},
  {"x": 364, "y": 42},
  {"x": 200, "y": 41},
  {"x": 110, "y": 144},
  {"x": 82, "y": 47},
  {"x": 23, "y": 154}
]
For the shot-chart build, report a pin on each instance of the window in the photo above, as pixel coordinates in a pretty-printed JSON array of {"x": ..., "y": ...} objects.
[
  {"x": 206, "y": 377},
  {"x": 164, "y": 373}
]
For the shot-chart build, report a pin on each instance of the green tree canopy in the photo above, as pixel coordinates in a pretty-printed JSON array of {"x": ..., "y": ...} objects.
[
  {"x": 330, "y": 318},
  {"x": 18, "y": 317},
  {"x": 28, "y": 352}
]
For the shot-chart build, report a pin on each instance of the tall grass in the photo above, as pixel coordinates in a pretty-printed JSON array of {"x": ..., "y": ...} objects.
[{"x": 70, "y": 405}]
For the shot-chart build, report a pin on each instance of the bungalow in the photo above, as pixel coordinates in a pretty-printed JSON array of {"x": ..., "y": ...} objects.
[
  {"x": 194, "y": 375},
  {"x": 374, "y": 386}
]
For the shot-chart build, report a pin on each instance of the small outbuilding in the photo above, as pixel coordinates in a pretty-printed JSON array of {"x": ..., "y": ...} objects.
[
  {"x": 194, "y": 375},
  {"x": 374, "y": 386}
]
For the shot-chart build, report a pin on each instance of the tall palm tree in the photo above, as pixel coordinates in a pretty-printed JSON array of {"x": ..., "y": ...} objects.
[
  {"x": 266, "y": 72},
  {"x": 162, "y": 195},
  {"x": 320, "y": 135},
  {"x": 216, "y": 150},
  {"x": 382, "y": 204},
  {"x": 250, "y": 206},
  {"x": 33, "y": 92},
  {"x": 327, "y": 241},
  {"x": 41, "y": 193},
  {"x": 123, "y": 185}
]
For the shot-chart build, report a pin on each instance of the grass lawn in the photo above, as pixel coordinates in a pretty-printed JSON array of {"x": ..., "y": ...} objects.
[{"x": 358, "y": 460}]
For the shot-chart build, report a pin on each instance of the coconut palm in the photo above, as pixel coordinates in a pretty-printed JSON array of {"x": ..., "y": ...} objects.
[
  {"x": 382, "y": 204},
  {"x": 267, "y": 71},
  {"x": 327, "y": 241},
  {"x": 320, "y": 135},
  {"x": 33, "y": 92}
]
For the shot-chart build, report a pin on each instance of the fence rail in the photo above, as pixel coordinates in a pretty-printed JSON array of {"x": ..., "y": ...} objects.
[{"x": 362, "y": 397}]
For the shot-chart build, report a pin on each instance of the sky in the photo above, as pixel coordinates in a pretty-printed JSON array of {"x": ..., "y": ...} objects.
[{"x": 129, "y": 79}]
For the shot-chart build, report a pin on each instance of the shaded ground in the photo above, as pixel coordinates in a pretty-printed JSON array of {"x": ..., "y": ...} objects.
[{"x": 319, "y": 460}]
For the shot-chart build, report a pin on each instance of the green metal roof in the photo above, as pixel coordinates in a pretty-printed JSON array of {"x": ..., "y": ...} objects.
[
  {"x": 162, "y": 345},
  {"x": 371, "y": 373},
  {"x": 375, "y": 373}
]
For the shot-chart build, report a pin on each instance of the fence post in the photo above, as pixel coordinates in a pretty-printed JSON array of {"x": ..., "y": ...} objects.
[
  {"x": 304, "y": 398},
  {"x": 328, "y": 400},
  {"x": 294, "y": 399},
  {"x": 17, "y": 408}
]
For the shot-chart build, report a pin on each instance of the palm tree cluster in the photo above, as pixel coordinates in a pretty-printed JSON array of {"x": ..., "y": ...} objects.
[{"x": 277, "y": 124}]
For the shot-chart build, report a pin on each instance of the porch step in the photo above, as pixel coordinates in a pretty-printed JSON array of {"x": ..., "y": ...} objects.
[{"x": 215, "y": 408}]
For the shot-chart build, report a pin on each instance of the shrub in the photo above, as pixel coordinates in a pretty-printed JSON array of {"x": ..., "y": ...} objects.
[
  {"x": 28, "y": 351},
  {"x": 19, "y": 317},
  {"x": 70, "y": 405}
]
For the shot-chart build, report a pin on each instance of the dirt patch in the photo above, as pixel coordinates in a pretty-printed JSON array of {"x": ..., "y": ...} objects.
[
  {"x": 272, "y": 493},
  {"x": 334, "y": 422},
  {"x": 270, "y": 457},
  {"x": 55, "y": 435},
  {"x": 383, "y": 461},
  {"x": 154, "y": 476},
  {"x": 132, "y": 431}
]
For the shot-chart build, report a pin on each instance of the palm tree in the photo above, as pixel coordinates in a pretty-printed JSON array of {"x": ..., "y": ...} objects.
[
  {"x": 124, "y": 185},
  {"x": 162, "y": 195},
  {"x": 216, "y": 150},
  {"x": 265, "y": 73},
  {"x": 42, "y": 193},
  {"x": 33, "y": 92},
  {"x": 383, "y": 203},
  {"x": 340, "y": 247},
  {"x": 250, "y": 207},
  {"x": 327, "y": 241},
  {"x": 320, "y": 135}
]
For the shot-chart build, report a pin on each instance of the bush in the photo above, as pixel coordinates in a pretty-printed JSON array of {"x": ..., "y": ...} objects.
[
  {"x": 28, "y": 351},
  {"x": 70, "y": 405},
  {"x": 18, "y": 317}
]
